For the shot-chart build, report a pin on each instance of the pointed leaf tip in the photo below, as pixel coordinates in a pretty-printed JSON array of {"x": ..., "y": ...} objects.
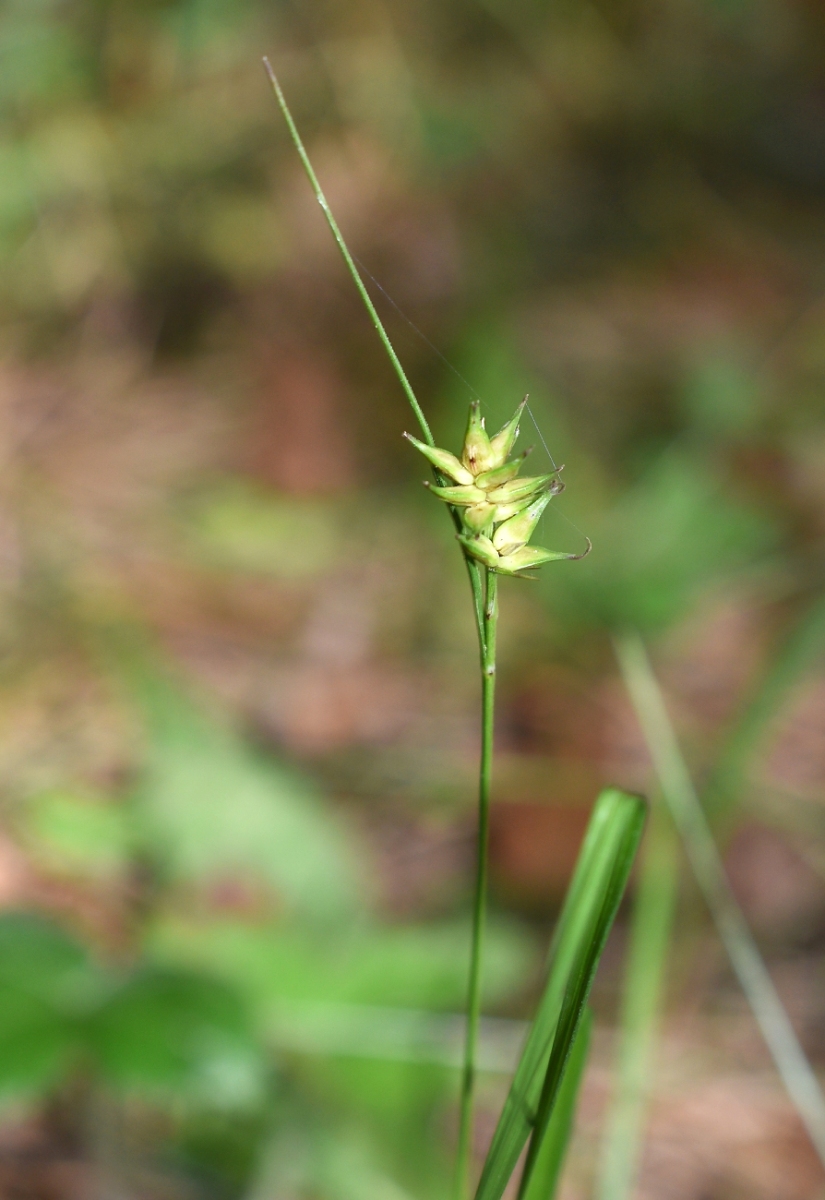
[
  {"x": 504, "y": 440},
  {"x": 442, "y": 460},
  {"x": 518, "y": 530}
]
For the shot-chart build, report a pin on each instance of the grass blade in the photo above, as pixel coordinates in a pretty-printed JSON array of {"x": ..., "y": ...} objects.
[
  {"x": 347, "y": 257},
  {"x": 622, "y": 837},
  {"x": 650, "y": 931},
  {"x": 550, "y": 1158},
  {"x": 592, "y": 899},
  {"x": 473, "y": 569},
  {"x": 797, "y": 1074}
]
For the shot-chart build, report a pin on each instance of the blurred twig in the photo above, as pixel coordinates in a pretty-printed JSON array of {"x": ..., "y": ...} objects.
[
  {"x": 683, "y": 801},
  {"x": 803, "y": 645}
]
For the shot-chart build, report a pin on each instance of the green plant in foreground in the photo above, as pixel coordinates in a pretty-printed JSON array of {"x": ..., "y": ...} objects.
[{"x": 495, "y": 514}]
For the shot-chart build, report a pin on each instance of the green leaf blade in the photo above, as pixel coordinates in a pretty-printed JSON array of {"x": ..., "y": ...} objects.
[
  {"x": 554, "y": 1143},
  {"x": 649, "y": 941},
  {"x": 168, "y": 1032},
  {"x": 622, "y": 837},
  {"x": 598, "y": 882}
]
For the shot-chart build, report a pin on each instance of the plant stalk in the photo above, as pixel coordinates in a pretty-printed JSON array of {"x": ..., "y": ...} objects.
[
  {"x": 485, "y": 607},
  {"x": 487, "y": 645},
  {"x": 347, "y": 257},
  {"x": 473, "y": 569}
]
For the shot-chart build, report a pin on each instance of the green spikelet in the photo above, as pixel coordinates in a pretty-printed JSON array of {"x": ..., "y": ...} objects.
[
  {"x": 482, "y": 549},
  {"x": 461, "y": 495},
  {"x": 477, "y": 454},
  {"x": 502, "y": 474},
  {"x": 534, "y": 556},
  {"x": 518, "y": 530},
  {"x": 443, "y": 460},
  {"x": 502, "y": 444},
  {"x": 520, "y": 489},
  {"x": 505, "y": 511},
  {"x": 479, "y": 518},
  {"x": 499, "y": 512}
]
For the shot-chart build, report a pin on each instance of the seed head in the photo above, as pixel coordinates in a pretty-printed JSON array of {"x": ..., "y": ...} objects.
[{"x": 499, "y": 511}]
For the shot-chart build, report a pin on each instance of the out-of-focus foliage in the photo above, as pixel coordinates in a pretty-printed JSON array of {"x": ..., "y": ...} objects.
[
  {"x": 168, "y": 1028},
  {"x": 241, "y": 528},
  {"x": 207, "y": 805},
  {"x": 670, "y": 535},
  {"x": 196, "y": 1017},
  {"x": 47, "y": 983},
  {"x": 153, "y": 1029}
]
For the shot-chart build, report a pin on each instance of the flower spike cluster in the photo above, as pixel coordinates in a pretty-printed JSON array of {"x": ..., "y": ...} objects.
[{"x": 499, "y": 511}]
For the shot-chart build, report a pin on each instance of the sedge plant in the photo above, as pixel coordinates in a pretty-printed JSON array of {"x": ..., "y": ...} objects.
[{"x": 495, "y": 512}]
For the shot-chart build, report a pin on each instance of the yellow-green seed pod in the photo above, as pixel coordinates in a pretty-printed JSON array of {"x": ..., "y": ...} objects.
[
  {"x": 502, "y": 474},
  {"x": 505, "y": 511},
  {"x": 463, "y": 495},
  {"x": 534, "y": 556},
  {"x": 482, "y": 549},
  {"x": 477, "y": 455},
  {"x": 520, "y": 489},
  {"x": 479, "y": 518},
  {"x": 519, "y": 529},
  {"x": 443, "y": 460},
  {"x": 505, "y": 439}
]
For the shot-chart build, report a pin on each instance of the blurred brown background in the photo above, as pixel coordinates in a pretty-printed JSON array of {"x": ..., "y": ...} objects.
[{"x": 239, "y": 686}]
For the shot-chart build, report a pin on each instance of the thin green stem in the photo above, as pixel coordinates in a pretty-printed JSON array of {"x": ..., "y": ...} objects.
[
  {"x": 347, "y": 257},
  {"x": 474, "y": 572},
  {"x": 485, "y": 607},
  {"x": 689, "y": 817},
  {"x": 472, "y": 568},
  {"x": 488, "y": 691}
]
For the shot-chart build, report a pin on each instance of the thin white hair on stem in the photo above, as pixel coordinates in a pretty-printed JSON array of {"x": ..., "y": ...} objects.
[{"x": 421, "y": 334}]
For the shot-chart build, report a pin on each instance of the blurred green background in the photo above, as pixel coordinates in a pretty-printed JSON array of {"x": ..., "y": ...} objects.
[{"x": 238, "y": 681}]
